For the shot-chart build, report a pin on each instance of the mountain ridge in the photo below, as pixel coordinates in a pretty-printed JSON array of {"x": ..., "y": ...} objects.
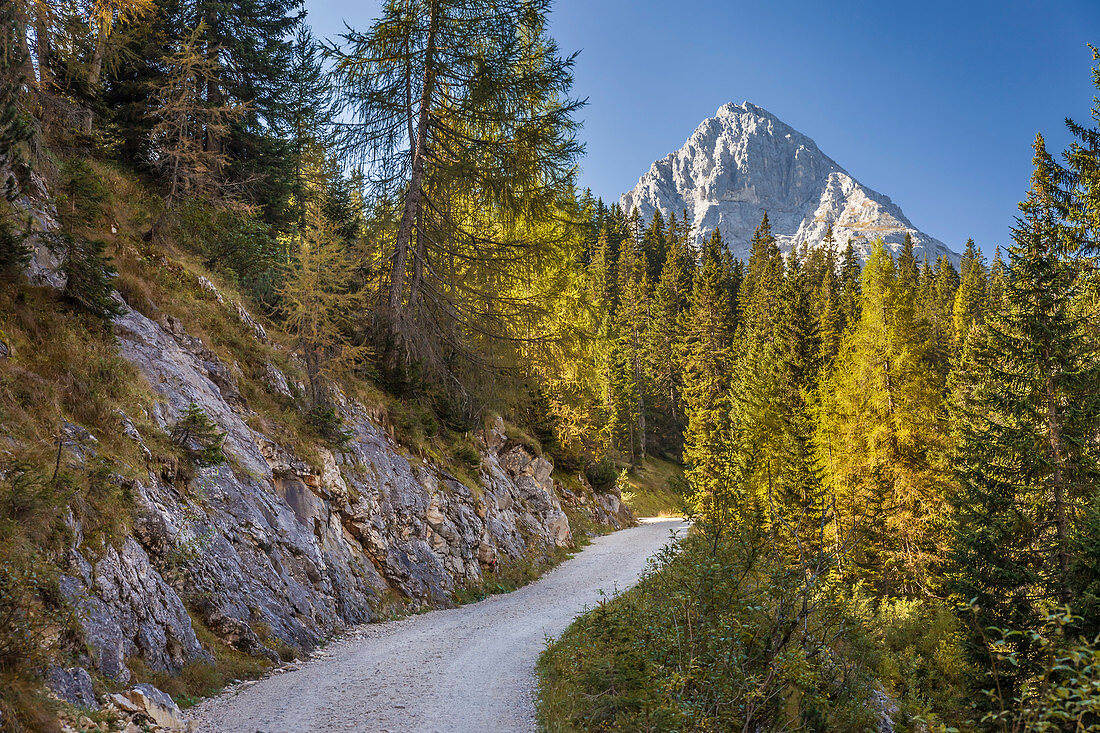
[{"x": 744, "y": 161}]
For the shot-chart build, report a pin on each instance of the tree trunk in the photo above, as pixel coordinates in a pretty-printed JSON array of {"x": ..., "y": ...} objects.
[
  {"x": 1057, "y": 479},
  {"x": 95, "y": 70},
  {"x": 214, "y": 96},
  {"x": 416, "y": 179}
]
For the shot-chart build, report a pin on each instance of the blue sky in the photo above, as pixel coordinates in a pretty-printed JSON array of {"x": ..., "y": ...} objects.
[{"x": 933, "y": 103}]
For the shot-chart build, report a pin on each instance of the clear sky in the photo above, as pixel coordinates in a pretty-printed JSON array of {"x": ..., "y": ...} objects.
[{"x": 934, "y": 103}]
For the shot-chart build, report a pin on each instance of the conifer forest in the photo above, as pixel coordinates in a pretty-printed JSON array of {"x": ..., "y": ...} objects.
[{"x": 890, "y": 461}]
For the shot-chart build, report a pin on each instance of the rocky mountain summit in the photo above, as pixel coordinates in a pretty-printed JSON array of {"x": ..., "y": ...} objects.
[{"x": 745, "y": 161}]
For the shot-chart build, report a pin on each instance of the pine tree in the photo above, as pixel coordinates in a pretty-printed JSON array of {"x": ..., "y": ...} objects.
[
  {"x": 1026, "y": 408},
  {"x": 970, "y": 299},
  {"x": 757, "y": 299},
  {"x": 706, "y": 358}
]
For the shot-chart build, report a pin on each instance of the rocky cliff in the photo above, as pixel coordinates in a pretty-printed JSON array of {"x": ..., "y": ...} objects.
[
  {"x": 282, "y": 544},
  {"x": 745, "y": 161}
]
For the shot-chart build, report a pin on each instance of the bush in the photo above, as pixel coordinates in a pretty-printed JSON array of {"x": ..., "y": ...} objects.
[
  {"x": 730, "y": 640},
  {"x": 602, "y": 474},
  {"x": 199, "y": 436}
]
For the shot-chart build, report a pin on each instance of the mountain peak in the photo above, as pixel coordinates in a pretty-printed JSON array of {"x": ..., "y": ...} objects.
[
  {"x": 746, "y": 107},
  {"x": 745, "y": 161}
]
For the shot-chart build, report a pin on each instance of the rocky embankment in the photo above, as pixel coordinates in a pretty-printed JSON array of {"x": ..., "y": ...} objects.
[{"x": 272, "y": 552}]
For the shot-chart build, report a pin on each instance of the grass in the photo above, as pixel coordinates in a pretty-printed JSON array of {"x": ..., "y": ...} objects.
[
  {"x": 650, "y": 489},
  {"x": 201, "y": 679}
]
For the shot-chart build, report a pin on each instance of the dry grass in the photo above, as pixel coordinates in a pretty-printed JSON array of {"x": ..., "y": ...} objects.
[{"x": 649, "y": 489}]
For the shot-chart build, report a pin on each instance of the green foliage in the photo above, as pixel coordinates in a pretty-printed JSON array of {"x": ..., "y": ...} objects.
[
  {"x": 461, "y": 112},
  {"x": 710, "y": 641},
  {"x": 233, "y": 241},
  {"x": 14, "y": 252},
  {"x": 89, "y": 276},
  {"x": 1027, "y": 407},
  {"x": 199, "y": 436},
  {"x": 601, "y": 474}
]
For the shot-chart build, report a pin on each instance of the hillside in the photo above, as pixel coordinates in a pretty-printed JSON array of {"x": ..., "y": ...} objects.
[{"x": 163, "y": 560}]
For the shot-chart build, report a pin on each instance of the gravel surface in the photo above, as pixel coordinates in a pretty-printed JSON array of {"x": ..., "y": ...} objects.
[{"x": 468, "y": 669}]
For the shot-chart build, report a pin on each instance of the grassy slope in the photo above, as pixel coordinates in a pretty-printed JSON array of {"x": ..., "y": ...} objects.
[
  {"x": 65, "y": 366},
  {"x": 648, "y": 492}
]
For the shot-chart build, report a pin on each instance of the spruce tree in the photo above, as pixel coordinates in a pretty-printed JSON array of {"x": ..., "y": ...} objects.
[
  {"x": 764, "y": 275},
  {"x": 850, "y": 269},
  {"x": 1026, "y": 405},
  {"x": 671, "y": 298},
  {"x": 654, "y": 246},
  {"x": 827, "y": 300},
  {"x": 632, "y": 317},
  {"x": 705, "y": 355},
  {"x": 970, "y": 299},
  {"x": 995, "y": 292}
]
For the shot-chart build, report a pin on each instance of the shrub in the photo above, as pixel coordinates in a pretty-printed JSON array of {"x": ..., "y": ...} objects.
[
  {"x": 601, "y": 474},
  {"x": 734, "y": 639},
  {"x": 199, "y": 436}
]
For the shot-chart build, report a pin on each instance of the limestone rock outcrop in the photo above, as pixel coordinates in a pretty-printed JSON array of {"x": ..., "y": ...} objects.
[{"x": 271, "y": 551}]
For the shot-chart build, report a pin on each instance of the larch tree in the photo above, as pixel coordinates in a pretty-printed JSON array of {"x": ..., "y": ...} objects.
[
  {"x": 459, "y": 114},
  {"x": 880, "y": 435},
  {"x": 184, "y": 123}
]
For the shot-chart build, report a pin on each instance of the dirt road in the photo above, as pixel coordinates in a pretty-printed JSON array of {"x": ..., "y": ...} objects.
[{"x": 468, "y": 669}]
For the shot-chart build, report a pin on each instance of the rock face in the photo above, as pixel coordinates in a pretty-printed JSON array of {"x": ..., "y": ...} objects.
[
  {"x": 271, "y": 551},
  {"x": 745, "y": 161}
]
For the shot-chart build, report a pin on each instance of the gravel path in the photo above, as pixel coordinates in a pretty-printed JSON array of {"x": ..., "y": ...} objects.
[{"x": 468, "y": 669}]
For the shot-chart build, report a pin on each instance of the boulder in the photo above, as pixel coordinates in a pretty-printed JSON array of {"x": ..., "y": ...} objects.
[
  {"x": 73, "y": 685},
  {"x": 276, "y": 381},
  {"x": 158, "y": 706}
]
